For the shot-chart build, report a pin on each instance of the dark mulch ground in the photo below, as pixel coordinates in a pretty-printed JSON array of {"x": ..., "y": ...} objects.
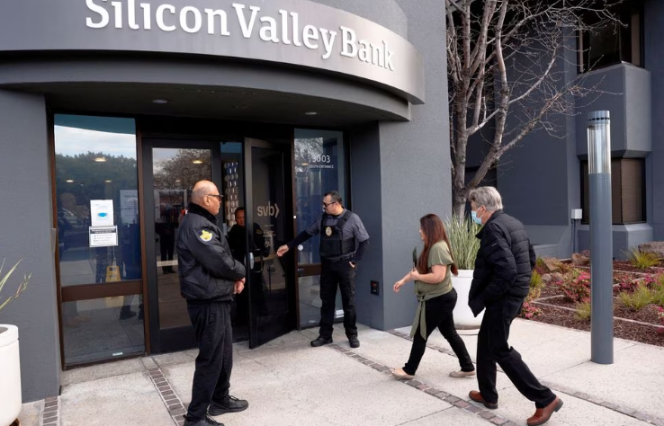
[
  {"x": 626, "y": 266},
  {"x": 621, "y": 329}
]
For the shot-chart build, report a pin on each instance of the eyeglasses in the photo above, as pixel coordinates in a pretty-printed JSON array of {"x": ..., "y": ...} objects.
[
  {"x": 218, "y": 196},
  {"x": 328, "y": 204}
]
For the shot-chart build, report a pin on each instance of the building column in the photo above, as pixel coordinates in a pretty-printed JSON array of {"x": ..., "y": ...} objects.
[{"x": 26, "y": 230}]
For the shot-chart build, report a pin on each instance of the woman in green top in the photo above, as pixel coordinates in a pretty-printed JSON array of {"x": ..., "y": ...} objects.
[{"x": 437, "y": 298}]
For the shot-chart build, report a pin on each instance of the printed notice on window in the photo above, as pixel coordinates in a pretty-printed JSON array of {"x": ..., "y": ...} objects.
[
  {"x": 103, "y": 236},
  {"x": 101, "y": 212}
]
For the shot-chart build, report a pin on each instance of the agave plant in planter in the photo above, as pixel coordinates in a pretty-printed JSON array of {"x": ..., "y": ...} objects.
[
  {"x": 464, "y": 246},
  {"x": 10, "y": 367}
]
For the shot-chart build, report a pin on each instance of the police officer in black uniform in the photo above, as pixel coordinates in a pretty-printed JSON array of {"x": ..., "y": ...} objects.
[
  {"x": 342, "y": 244},
  {"x": 209, "y": 278}
]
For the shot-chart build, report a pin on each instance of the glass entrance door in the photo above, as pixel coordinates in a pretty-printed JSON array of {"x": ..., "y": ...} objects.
[
  {"x": 173, "y": 167},
  {"x": 270, "y": 283}
]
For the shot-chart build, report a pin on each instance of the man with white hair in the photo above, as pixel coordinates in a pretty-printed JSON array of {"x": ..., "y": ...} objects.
[{"x": 501, "y": 282}]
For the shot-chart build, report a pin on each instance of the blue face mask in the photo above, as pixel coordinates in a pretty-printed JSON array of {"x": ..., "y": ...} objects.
[{"x": 476, "y": 219}]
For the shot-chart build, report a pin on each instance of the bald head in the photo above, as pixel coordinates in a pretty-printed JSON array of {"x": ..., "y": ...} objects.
[{"x": 206, "y": 195}]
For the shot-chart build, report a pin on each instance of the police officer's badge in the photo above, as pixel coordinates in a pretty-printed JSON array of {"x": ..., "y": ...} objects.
[
  {"x": 205, "y": 235},
  {"x": 328, "y": 231}
]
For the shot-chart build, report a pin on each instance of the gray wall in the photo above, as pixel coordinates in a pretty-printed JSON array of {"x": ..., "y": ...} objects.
[
  {"x": 365, "y": 181},
  {"x": 400, "y": 171},
  {"x": 415, "y": 160},
  {"x": 653, "y": 35},
  {"x": 26, "y": 230}
]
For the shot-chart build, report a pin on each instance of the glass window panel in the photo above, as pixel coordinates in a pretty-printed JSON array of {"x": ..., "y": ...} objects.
[
  {"x": 100, "y": 329},
  {"x": 319, "y": 168},
  {"x": 176, "y": 171},
  {"x": 310, "y": 302},
  {"x": 95, "y": 159}
]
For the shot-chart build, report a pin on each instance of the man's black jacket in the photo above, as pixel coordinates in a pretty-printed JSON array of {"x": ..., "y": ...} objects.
[
  {"x": 504, "y": 262},
  {"x": 207, "y": 270}
]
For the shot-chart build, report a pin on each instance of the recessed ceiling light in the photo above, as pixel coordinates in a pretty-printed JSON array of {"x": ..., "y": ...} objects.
[
  {"x": 70, "y": 181},
  {"x": 108, "y": 181},
  {"x": 197, "y": 161},
  {"x": 310, "y": 113},
  {"x": 160, "y": 101},
  {"x": 100, "y": 159}
]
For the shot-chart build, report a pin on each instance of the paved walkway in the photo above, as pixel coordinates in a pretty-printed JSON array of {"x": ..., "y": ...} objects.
[{"x": 289, "y": 383}]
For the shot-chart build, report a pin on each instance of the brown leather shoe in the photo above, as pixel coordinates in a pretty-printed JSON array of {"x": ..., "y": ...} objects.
[
  {"x": 542, "y": 415},
  {"x": 477, "y": 397}
]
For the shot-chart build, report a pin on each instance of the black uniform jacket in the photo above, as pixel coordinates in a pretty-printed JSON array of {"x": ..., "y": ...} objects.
[
  {"x": 207, "y": 269},
  {"x": 504, "y": 262}
]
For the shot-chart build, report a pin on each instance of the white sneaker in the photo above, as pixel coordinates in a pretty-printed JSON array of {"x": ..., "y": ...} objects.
[{"x": 462, "y": 374}]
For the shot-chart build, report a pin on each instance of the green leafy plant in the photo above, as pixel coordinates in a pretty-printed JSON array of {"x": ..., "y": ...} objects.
[
  {"x": 464, "y": 245},
  {"x": 638, "y": 299},
  {"x": 583, "y": 311},
  {"x": 3, "y": 280},
  {"x": 642, "y": 259}
]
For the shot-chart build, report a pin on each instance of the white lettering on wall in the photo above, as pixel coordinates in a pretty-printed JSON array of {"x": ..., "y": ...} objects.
[
  {"x": 198, "y": 19},
  {"x": 310, "y": 33},
  {"x": 269, "y": 32},
  {"x": 147, "y": 22},
  {"x": 131, "y": 11},
  {"x": 247, "y": 29},
  {"x": 118, "y": 13},
  {"x": 282, "y": 29},
  {"x": 349, "y": 49},
  {"x": 160, "y": 17},
  {"x": 223, "y": 19},
  {"x": 98, "y": 10}
]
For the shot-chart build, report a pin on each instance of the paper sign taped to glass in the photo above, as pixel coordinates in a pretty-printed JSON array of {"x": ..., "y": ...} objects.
[{"x": 103, "y": 236}]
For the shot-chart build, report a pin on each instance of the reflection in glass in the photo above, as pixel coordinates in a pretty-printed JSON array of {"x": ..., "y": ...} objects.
[
  {"x": 81, "y": 142},
  {"x": 319, "y": 168},
  {"x": 175, "y": 171},
  {"x": 100, "y": 329}
]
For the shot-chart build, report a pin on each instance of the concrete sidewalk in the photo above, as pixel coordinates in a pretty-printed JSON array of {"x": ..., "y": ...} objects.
[{"x": 289, "y": 383}]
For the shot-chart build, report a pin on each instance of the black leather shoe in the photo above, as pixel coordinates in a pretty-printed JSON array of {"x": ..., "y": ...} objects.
[
  {"x": 320, "y": 341},
  {"x": 354, "y": 342},
  {"x": 202, "y": 422},
  {"x": 230, "y": 405}
]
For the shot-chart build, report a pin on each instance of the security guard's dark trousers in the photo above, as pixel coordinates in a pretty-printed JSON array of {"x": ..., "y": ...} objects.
[
  {"x": 492, "y": 348},
  {"x": 342, "y": 274},
  {"x": 214, "y": 337}
]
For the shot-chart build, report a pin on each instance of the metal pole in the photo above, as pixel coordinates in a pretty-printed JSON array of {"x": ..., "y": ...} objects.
[{"x": 601, "y": 237}]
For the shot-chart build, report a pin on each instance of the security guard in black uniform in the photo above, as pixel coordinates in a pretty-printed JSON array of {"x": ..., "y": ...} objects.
[
  {"x": 209, "y": 278},
  {"x": 342, "y": 245}
]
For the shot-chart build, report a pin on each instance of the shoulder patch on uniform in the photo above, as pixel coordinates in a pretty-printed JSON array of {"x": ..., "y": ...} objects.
[{"x": 205, "y": 235}]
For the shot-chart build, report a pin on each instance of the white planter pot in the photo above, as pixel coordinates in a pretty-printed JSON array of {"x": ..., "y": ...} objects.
[
  {"x": 10, "y": 374},
  {"x": 463, "y": 316}
]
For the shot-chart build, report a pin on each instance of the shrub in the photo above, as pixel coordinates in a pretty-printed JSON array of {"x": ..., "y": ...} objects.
[
  {"x": 3, "y": 280},
  {"x": 658, "y": 294},
  {"x": 463, "y": 243},
  {"x": 583, "y": 311},
  {"x": 529, "y": 310},
  {"x": 576, "y": 287},
  {"x": 540, "y": 267},
  {"x": 639, "y": 299},
  {"x": 642, "y": 259}
]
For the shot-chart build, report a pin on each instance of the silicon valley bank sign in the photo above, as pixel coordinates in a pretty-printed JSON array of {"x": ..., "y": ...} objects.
[
  {"x": 301, "y": 33},
  {"x": 285, "y": 28}
]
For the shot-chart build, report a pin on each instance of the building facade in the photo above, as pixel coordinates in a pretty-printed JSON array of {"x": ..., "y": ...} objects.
[
  {"x": 112, "y": 109},
  {"x": 544, "y": 178}
]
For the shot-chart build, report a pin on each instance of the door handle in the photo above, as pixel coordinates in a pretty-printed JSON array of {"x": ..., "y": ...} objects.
[{"x": 251, "y": 260}]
